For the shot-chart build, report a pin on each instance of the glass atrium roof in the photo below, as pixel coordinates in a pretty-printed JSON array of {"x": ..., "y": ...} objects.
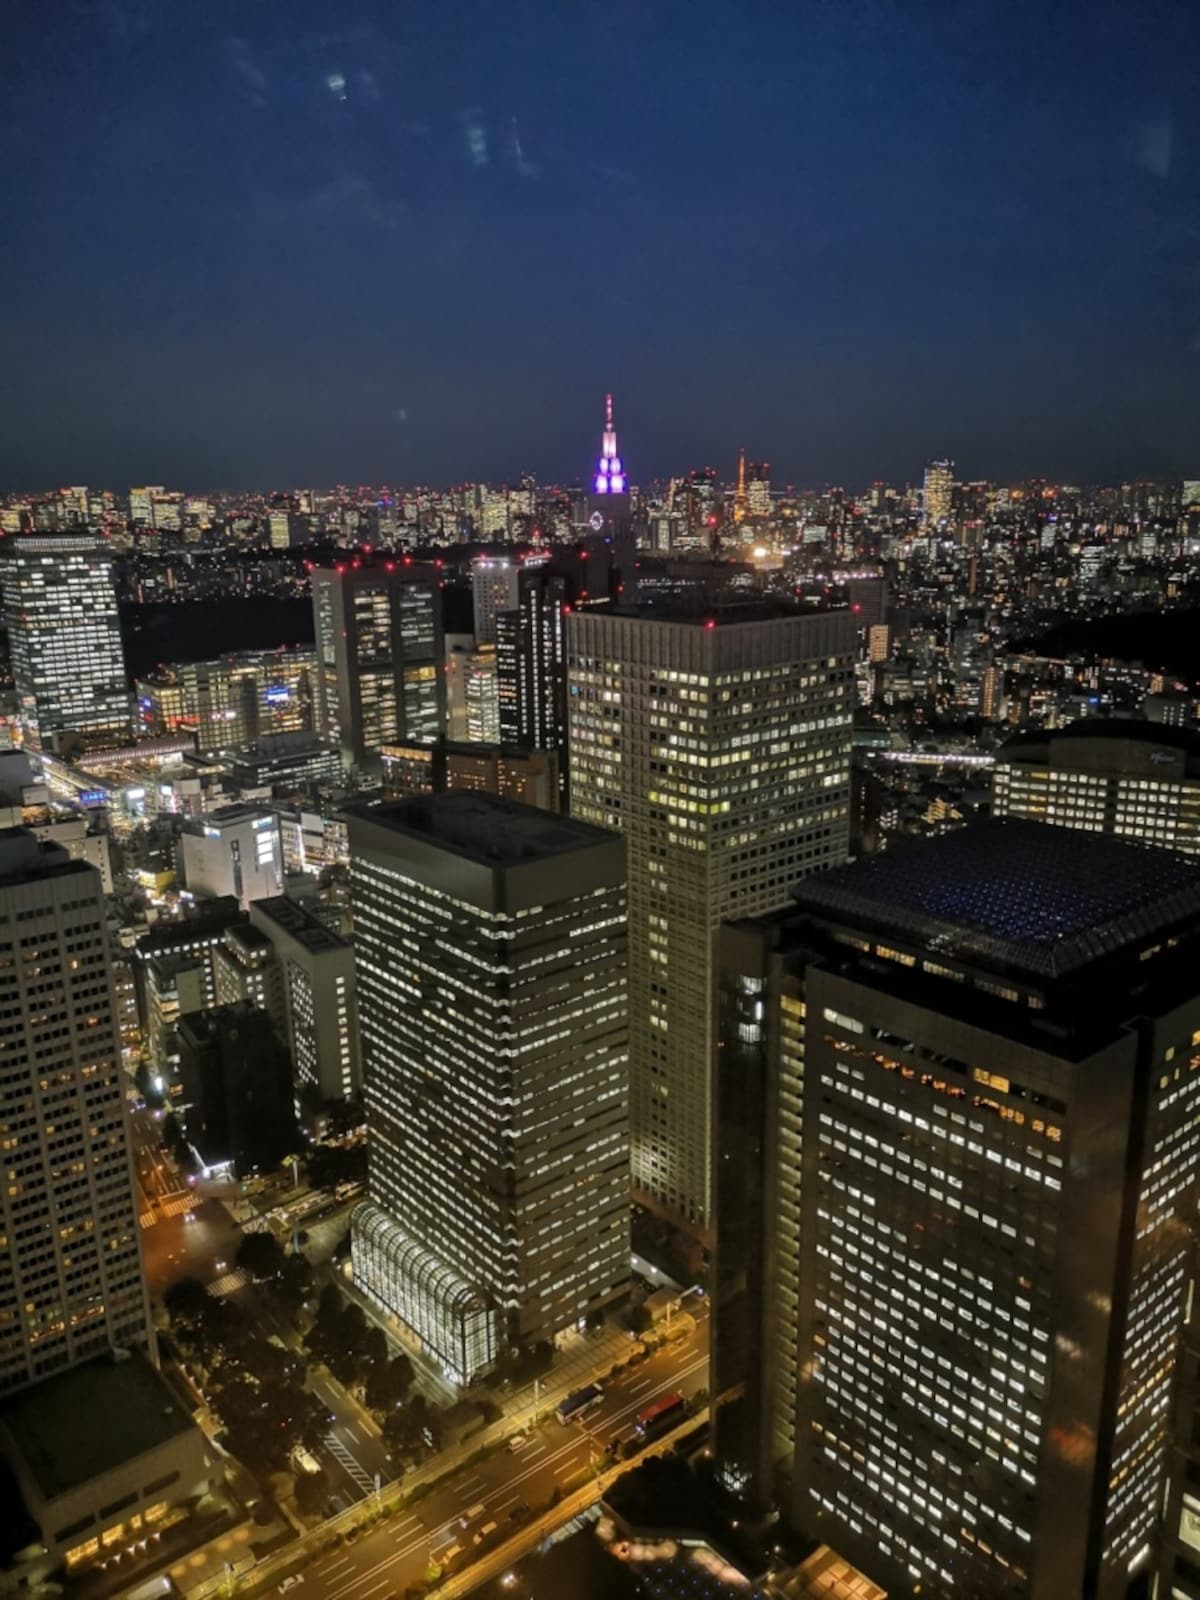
[{"x": 1043, "y": 900}]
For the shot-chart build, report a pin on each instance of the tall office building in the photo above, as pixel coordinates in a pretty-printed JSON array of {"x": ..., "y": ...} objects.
[
  {"x": 959, "y": 1140},
  {"x": 758, "y": 490},
  {"x": 472, "y": 699},
  {"x": 70, "y": 1270},
  {"x": 379, "y": 657},
  {"x": 320, "y": 998},
  {"x": 493, "y": 589},
  {"x": 491, "y": 956},
  {"x": 1137, "y": 780},
  {"x": 721, "y": 749},
  {"x": 532, "y": 664},
  {"x": 64, "y": 635},
  {"x": 938, "y": 499}
]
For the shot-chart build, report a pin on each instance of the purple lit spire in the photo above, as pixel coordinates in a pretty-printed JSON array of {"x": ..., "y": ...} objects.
[{"x": 610, "y": 474}]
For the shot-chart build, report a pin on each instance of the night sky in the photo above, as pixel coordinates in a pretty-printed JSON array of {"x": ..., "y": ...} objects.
[{"x": 253, "y": 244}]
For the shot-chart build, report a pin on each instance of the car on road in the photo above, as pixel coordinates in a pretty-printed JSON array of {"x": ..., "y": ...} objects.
[
  {"x": 471, "y": 1513},
  {"x": 517, "y": 1442},
  {"x": 521, "y": 1512},
  {"x": 290, "y": 1582},
  {"x": 483, "y": 1533}
]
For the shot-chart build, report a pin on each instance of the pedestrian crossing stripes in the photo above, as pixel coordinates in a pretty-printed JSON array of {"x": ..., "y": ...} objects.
[
  {"x": 176, "y": 1206},
  {"x": 345, "y": 1460},
  {"x": 228, "y": 1283}
]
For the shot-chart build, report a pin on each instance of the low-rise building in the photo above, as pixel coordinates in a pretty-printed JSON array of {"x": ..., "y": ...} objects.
[{"x": 105, "y": 1456}]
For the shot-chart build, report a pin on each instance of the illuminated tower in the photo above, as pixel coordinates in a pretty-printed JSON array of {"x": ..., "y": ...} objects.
[
  {"x": 739, "y": 499},
  {"x": 610, "y": 474},
  {"x": 609, "y": 514}
]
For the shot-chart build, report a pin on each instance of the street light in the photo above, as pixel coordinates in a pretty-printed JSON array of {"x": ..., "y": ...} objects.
[{"x": 674, "y": 1305}]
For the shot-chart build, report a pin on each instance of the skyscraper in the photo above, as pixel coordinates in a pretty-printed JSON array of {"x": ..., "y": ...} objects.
[
  {"x": 70, "y": 1270},
  {"x": 319, "y": 996},
  {"x": 609, "y": 513},
  {"x": 379, "y": 657},
  {"x": 721, "y": 749},
  {"x": 938, "y": 500},
  {"x": 490, "y": 950},
  {"x": 1137, "y": 780},
  {"x": 493, "y": 589},
  {"x": 532, "y": 665},
  {"x": 64, "y": 633},
  {"x": 958, "y": 1146}
]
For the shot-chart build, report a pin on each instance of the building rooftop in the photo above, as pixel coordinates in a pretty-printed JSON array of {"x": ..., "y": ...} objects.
[
  {"x": 1133, "y": 730},
  {"x": 292, "y": 918},
  {"x": 485, "y": 827},
  {"x": 56, "y": 1424},
  {"x": 24, "y": 858},
  {"x": 1026, "y": 896},
  {"x": 207, "y": 919}
]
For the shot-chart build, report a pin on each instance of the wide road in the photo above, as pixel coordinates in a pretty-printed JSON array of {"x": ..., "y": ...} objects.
[{"x": 501, "y": 1490}]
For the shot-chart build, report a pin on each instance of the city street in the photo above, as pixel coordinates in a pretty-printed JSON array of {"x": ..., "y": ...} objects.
[{"x": 503, "y": 1492}]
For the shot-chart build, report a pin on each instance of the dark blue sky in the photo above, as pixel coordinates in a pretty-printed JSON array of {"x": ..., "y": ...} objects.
[{"x": 249, "y": 243}]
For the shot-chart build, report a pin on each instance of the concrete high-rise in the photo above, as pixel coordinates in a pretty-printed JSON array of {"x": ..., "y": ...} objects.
[
  {"x": 379, "y": 657},
  {"x": 70, "y": 1270},
  {"x": 1136, "y": 780},
  {"x": 493, "y": 590},
  {"x": 319, "y": 996},
  {"x": 958, "y": 1145},
  {"x": 720, "y": 747},
  {"x": 64, "y": 635},
  {"x": 491, "y": 957}
]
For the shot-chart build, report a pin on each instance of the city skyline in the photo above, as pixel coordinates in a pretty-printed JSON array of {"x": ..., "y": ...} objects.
[{"x": 849, "y": 236}]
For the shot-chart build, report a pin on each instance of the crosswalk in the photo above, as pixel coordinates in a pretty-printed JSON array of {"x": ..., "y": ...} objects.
[
  {"x": 345, "y": 1460},
  {"x": 175, "y": 1206},
  {"x": 228, "y": 1283}
]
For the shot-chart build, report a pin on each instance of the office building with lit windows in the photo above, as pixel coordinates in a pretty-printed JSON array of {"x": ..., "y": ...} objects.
[
  {"x": 720, "y": 746},
  {"x": 491, "y": 956},
  {"x": 937, "y": 501},
  {"x": 1136, "y": 780},
  {"x": 958, "y": 1146},
  {"x": 531, "y": 656},
  {"x": 71, "y": 1269},
  {"x": 234, "y": 702},
  {"x": 64, "y": 636},
  {"x": 493, "y": 590},
  {"x": 380, "y": 652},
  {"x": 319, "y": 996}
]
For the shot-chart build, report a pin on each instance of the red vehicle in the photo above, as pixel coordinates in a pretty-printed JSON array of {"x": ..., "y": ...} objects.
[{"x": 657, "y": 1418}]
